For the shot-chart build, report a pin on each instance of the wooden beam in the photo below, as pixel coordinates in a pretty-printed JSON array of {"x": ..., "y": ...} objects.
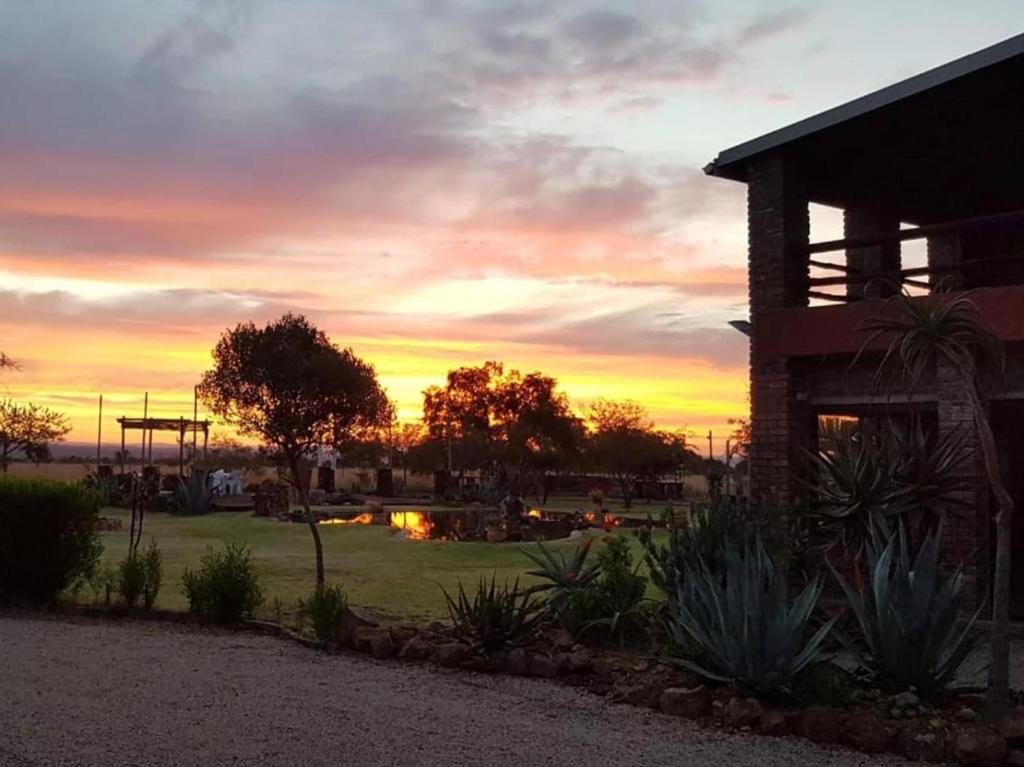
[
  {"x": 917, "y": 233},
  {"x": 826, "y": 296}
]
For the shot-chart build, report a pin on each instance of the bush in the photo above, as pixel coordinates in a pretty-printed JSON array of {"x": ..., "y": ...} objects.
[
  {"x": 152, "y": 570},
  {"x": 48, "y": 538},
  {"x": 703, "y": 534},
  {"x": 737, "y": 625},
  {"x": 909, "y": 619},
  {"x": 131, "y": 578},
  {"x": 326, "y": 611},
  {"x": 496, "y": 617},
  {"x": 140, "y": 576},
  {"x": 226, "y": 587}
]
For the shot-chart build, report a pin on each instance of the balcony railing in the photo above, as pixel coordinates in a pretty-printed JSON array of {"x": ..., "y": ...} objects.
[{"x": 911, "y": 277}]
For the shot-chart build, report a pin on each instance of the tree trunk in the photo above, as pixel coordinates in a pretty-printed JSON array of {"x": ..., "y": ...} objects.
[
  {"x": 998, "y": 697},
  {"x": 314, "y": 529}
]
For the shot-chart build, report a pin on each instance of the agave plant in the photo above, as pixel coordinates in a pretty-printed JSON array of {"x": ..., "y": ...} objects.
[
  {"x": 196, "y": 493},
  {"x": 496, "y": 617},
  {"x": 945, "y": 334},
  {"x": 563, "y": 573},
  {"x": 909, "y": 620},
  {"x": 870, "y": 479},
  {"x": 738, "y": 626}
]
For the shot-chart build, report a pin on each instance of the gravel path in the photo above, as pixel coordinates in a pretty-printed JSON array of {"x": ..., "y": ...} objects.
[{"x": 90, "y": 693}]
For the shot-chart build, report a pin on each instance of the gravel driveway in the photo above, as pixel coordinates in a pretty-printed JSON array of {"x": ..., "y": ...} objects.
[{"x": 81, "y": 692}]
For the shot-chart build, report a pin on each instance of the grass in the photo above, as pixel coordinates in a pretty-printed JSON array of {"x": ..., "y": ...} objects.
[{"x": 394, "y": 577}]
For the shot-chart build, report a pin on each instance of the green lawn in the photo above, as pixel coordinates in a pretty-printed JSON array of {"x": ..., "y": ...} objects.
[{"x": 392, "y": 576}]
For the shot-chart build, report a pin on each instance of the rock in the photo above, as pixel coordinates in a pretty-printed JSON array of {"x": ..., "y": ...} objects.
[
  {"x": 774, "y": 722},
  {"x": 918, "y": 741},
  {"x": 375, "y": 640},
  {"x": 967, "y": 715},
  {"x": 451, "y": 654},
  {"x": 579, "y": 660},
  {"x": 541, "y": 665},
  {"x": 518, "y": 663},
  {"x": 353, "y": 620},
  {"x": 822, "y": 724},
  {"x": 866, "y": 732},
  {"x": 416, "y": 648},
  {"x": 476, "y": 663},
  {"x": 690, "y": 702},
  {"x": 497, "y": 662},
  {"x": 1015, "y": 757},
  {"x": 742, "y": 712},
  {"x": 1012, "y": 726},
  {"x": 904, "y": 705},
  {"x": 981, "y": 746},
  {"x": 564, "y": 640}
]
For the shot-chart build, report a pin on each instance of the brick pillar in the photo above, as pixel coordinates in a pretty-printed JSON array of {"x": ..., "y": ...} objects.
[
  {"x": 873, "y": 260},
  {"x": 945, "y": 252},
  {"x": 967, "y": 531},
  {"x": 779, "y": 228}
]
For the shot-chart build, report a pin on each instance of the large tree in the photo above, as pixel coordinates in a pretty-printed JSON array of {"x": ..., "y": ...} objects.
[
  {"x": 28, "y": 429},
  {"x": 287, "y": 385},
  {"x": 942, "y": 335},
  {"x": 626, "y": 446},
  {"x": 514, "y": 425}
]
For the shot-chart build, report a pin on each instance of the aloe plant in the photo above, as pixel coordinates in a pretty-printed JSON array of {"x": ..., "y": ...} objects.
[
  {"x": 495, "y": 617},
  {"x": 737, "y": 624},
  {"x": 196, "y": 493},
  {"x": 871, "y": 478},
  {"x": 563, "y": 573},
  {"x": 911, "y": 631}
]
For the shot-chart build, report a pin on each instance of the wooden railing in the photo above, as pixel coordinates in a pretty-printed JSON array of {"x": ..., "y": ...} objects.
[{"x": 853, "y": 276}]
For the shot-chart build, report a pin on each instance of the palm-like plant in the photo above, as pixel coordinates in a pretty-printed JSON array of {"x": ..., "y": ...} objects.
[
  {"x": 944, "y": 333},
  {"x": 738, "y": 625},
  {"x": 909, "y": 618}
]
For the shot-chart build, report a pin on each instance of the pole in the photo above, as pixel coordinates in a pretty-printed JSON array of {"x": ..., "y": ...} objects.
[
  {"x": 711, "y": 455},
  {"x": 99, "y": 435},
  {"x": 195, "y": 418},
  {"x": 181, "y": 446},
  {"x": 124, "y": 454},
  {"x": 145, "y": 417}
]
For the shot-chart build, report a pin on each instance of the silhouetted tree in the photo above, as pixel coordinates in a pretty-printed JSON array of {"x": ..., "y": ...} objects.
[
  {"x": 626, "y": 446},
  {"x": 516, "y": 425},
  {"x": 287, "y": 385},
  {"x": 28, "y": 429}
]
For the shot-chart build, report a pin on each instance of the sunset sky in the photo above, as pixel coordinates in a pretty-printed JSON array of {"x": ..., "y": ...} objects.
[{"x": 435, "y": 183}]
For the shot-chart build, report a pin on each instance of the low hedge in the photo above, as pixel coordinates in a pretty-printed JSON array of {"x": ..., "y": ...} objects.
[{"x": 48, "y": 537}]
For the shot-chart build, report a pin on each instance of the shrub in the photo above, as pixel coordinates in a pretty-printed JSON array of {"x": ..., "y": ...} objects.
[
  {"x": 703, "y": 534},
  {"x": 496, "y": 617},
  {"x": 131, "y": 579},
  {"x": 152, "y": 569},
  {"x": 909, "y": 618},
  {"x": 48, "y": 538},
  {"x": 195, "y": 494},
  {"x": 140, "y": 576},
  {"x": 226, "y": 587},
  {"x": 737, "y": 625},
  {"x": 326, "y": 611}
]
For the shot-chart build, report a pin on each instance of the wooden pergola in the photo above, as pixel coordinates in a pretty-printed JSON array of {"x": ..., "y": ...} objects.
[{"x": 180, "y": 425}]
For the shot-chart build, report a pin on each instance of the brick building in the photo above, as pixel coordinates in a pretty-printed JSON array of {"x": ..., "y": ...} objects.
[{"x": 937, "y": 159}]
